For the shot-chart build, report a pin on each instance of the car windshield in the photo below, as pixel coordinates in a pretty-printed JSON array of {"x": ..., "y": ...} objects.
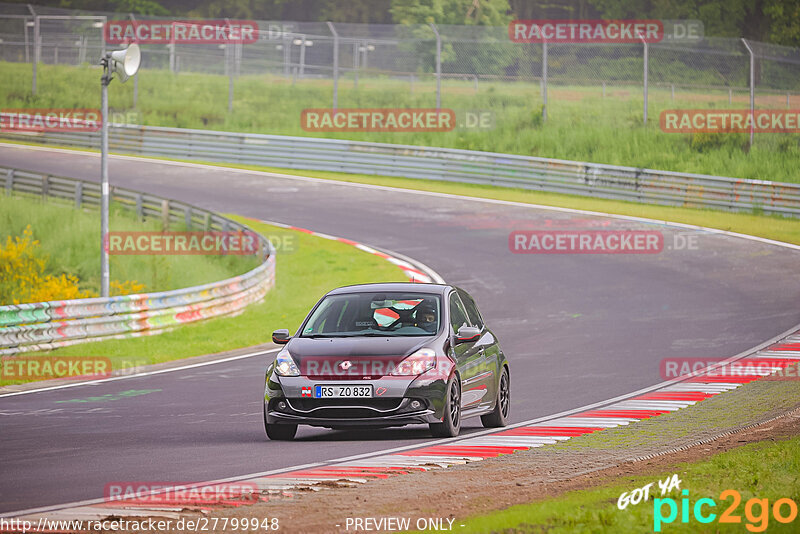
[{"x": 375, "y": 314}]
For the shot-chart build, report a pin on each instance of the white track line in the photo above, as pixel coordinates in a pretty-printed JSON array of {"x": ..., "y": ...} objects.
[{"x": 138, "y": 375}]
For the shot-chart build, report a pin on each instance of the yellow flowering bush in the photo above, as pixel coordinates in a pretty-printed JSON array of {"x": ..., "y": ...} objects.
[
  {"x": 23, "y": 278},
  {"x": 129, "y": 287}
]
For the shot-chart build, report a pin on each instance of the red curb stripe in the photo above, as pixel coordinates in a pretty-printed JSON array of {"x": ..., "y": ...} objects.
[
  {"x": 413, "y": 271},
  {"x": 313, "y": 473},
  {"x": 744, "y": 379},
  {"x": 786, "y": 346},
  {"x": 355, "y": 244},
  {"x": 391, "y": 469},
  {"x": 453, "y": 450},
  {"x": 636, "y": 414}
]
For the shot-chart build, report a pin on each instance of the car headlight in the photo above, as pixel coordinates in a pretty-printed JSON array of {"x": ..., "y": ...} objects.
[
  {"x": 416, "y": 364},
  {"x": 284, "y": 364}
]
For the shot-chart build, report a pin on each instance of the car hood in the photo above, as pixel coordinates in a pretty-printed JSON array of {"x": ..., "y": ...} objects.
[{"x": 365, "y": 356}]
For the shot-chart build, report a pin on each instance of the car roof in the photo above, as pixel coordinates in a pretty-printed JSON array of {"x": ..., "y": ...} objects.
[{"x": 437, "y": 289}]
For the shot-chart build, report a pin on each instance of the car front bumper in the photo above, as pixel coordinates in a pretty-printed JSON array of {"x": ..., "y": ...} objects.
[{"x": 397, "y": 401}]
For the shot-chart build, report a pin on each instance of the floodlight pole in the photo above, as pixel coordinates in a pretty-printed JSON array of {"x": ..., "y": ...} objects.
[
  {"x": 104, "y": 196},
  {"x": 135, "y": 76}
]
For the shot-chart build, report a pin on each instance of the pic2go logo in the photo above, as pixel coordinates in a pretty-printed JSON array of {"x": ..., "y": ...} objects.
[{"x": 756, "y": 511}]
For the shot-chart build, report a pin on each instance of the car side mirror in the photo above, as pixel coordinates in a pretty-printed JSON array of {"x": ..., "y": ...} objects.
[
  {"x": 468, "y": 333},
  {"x": 281, "y": 337}
]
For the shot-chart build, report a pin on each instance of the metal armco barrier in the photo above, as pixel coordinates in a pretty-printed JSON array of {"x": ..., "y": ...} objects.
[
  {"x": 465, "y": 166},
  {"x": 48, "y": 325}
]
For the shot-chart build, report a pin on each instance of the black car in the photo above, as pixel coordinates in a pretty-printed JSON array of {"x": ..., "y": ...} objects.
[{"x": 381, "y": 355}]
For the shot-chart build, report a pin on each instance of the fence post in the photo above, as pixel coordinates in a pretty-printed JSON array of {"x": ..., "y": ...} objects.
[
  {"x": 78, "y": 194},
  {"x": 356, "y": 56},
  {"x": 303, "y": 56},
  {"x": 171, "y": 47},
  {"x": 335, "y": 65},
  {"x": 45, "y": 186},
  {"x": 646, "y": 58},
  {"x": 752, "y": 89},
  {"x": 140, "y": 207},
  {"x": 544, "y": 82},
  {"x": 438, "y": 66},
  {"x": 164, "y": 215},
  {"x": 27, "y": 40},
  {"x": 229, "y": 69},
  {"x": 36, "y": 50},
  {"x": 238, "y": 51},
  {"x": 187, "y": 218},
  {"x": 287, "y": 52},
  {"x": 10, "y": 182}
]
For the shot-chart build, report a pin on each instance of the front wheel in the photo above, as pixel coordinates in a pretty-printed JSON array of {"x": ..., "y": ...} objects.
[
  {"x": 451, "y": 425},
  {"x": 279, "y": 432},
  {"x": 499, "y": 416}
]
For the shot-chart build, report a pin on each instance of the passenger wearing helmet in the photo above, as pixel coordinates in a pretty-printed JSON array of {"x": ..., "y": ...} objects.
[{"x": 426, "y": 318}]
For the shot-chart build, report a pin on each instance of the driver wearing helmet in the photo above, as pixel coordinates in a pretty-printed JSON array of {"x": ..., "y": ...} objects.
[{"x": 426, "y": 318}]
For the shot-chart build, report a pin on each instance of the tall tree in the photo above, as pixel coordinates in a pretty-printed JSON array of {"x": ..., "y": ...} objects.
[
  {"x": 464, "y": 12},
  {"x": 785, "y": 18},
  {"x": 553, "y": 9}
]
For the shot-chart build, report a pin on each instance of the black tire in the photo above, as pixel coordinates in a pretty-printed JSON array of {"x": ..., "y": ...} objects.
[
  {"x": 499, "y": 416},
  {"x": 279, "y": 432},
  {"x": 451, "y": 425}
]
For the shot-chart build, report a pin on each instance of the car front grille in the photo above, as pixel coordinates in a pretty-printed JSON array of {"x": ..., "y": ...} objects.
[{"x": 349, "y": 408}]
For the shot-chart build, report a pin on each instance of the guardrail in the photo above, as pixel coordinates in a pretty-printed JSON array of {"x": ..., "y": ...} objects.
[
  {"x": 47, "y": 325},
  {"x": 540, "y": 174}
]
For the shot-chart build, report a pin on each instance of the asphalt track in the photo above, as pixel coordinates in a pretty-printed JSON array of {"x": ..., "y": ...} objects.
[{"x": 578, "y": 328}]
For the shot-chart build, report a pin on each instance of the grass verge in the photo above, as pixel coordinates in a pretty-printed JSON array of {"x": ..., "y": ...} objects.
[
  {"x": 582, "y": 124},
  {"x": 70, "y": 239},
  {"x": 315, "y": 266}
]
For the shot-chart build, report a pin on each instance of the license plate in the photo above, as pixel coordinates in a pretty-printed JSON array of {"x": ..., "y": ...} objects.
[{"x": 326, "y": 392}]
